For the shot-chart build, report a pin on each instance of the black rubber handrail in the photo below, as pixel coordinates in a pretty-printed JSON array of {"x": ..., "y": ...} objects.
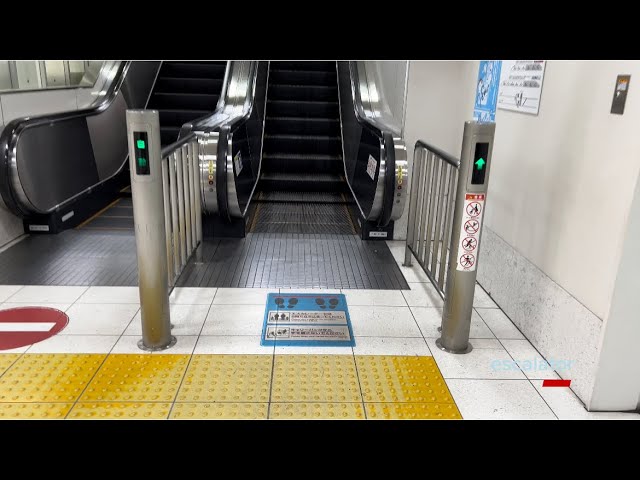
[{"x": 389, "y": 180}]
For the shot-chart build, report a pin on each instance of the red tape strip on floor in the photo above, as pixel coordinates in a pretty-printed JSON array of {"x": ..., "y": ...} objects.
[{"x": 556, "y": 383}]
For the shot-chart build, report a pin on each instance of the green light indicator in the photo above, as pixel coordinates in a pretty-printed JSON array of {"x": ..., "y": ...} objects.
[
  {"x": 141, "y": 144},
  {"x": 142, "y": 162},
  {"x": 480, "y": 163}
]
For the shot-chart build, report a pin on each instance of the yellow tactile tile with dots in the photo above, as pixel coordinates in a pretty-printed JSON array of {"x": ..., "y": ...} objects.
[
  {"x": 6, "y": 360},
  {"x": 401, "y": 379},
  {"x": 34, "y": 411},
  {"x": 227, "y": 378},
  {"x": 40, "y": 378},
  {"x": 317, "y": 411},
  {"x": 219, "y": 411},
  {"x": 137, "y": 378},
  {"x": 412, "y": 411},
  {"x": 122, "y": 411},
  {"x": 315, "y": 378}
]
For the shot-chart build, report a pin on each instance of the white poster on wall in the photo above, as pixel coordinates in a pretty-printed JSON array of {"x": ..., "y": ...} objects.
[{"x": 521, "y": 85}]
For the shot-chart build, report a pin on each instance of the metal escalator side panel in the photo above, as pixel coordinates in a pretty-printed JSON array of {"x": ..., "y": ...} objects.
[
  {"x": 401, "y": 182},
  {"x": 223, "y": 159},
  {"x": 207, "y": 160}
]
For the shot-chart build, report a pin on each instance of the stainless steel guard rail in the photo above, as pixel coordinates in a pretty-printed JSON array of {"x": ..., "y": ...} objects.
[
  {"x": 431, "y": 205},
  {"x": 182, "y": 199}
]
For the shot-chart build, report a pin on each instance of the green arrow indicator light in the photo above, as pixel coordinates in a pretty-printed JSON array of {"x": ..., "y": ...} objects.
[
  {"x": 480, "y": 163},
  {"x": 140, "y": 144}
]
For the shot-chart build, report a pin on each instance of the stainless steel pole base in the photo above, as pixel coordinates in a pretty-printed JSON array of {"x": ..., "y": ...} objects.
[
  {"x": 171, "y": 343},
  {"x": 448, "y": 350}
]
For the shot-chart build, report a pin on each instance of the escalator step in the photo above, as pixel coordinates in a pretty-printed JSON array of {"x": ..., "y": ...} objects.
[
  {"x": 302, "y": 92},
  {"x": 302, "y": 182},
  {"x": 303, "y": 126},
  {"x": 186, "y": 101},
  {"x": 305, "y": 197},
  {"x": 188, "y": 85},
  {"x": 177, "y": 118},
  {"x": 193, "y": 69},
  {"x": 292, "y": 162},
  {"x": 312, "y": 144},
  {"x": 295, "y": 77},
  {"x": 316, "y": 66},
  {"x": 288, "y": 108}
]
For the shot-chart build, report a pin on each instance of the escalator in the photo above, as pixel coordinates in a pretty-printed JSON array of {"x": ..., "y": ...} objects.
[
  {"x": 184, "y": 92},
  {"x": 302, "y": 188},
  {"x": 59, "y": 171}
]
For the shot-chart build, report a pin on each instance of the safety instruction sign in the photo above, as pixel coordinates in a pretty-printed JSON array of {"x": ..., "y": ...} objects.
[
  {"x": 484, "y": 109},
  {"x": 303, "y": 319},
  {"x": 469, "y": 242}
]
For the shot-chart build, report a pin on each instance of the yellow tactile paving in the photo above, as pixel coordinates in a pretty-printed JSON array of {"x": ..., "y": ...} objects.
[
  {"x": 117, "y": 410},
  {"x": 317, "y": 411},
  {"x": 401, "y": 379},
  {"x": 34, "y": 411},
  {"x": 42, "y": 378},
  {"x": 219, "y": 411},
  {"x": 137, "y": 378},
  {"x": 315, "y": 378},
  {"x": 412, "y": 411},
  {"x": 6, "y": 360},
  {"x": 227, "y": 378},
  {"x": 124, "y": 386}
]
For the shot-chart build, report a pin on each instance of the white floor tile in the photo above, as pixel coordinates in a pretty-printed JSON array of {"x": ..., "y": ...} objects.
[
  {"x": 479, "y": 363},
  {"x": 482, "y": 300},
  {"x": 16, "y": 350},
  {"x": 231, "y": 345},
  {"x": 414, "y": 273},
  {"x": 498, "y": 400},
  {"x": 63, "y": 307},
  {"x": 313, "y": 351},
  {"x": 389, "y": 298},
  {"x": 500, "y": 324},
  {"x": 47, "y": 294},
  {"x": 99, "y": 319},
  {"x": 128, "y": 344},
  {"x": 186, "y": 320},
  {"x": 422, "y": 295},
  {"x": 243, "y": 296},
  {"x": 567, "y": 406},
  {"x": 7, "y": 290},
  {"x": 234, "y": 320},
  {"x": 383, "y": 322},
  {"x": 184, "y": 345},
  {"x": 75, "y": 344},
  {"x": 111, "y": 295},
  {"x": 531, "y": 362},
  {"x": 486, "y": 343},
  {"x": 391, "y": 346},
  {"x": 429, "y": 319},
  {"x": 193, "y": 295}
]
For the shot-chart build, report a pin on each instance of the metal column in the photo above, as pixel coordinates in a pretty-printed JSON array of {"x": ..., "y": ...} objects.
[
  {"x": 473, "y": 179},
  {"x": 143, "y": 133}
]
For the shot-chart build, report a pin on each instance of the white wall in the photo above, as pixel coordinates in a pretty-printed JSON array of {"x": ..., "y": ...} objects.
[
  {"x": 439, "y": 97},
  {"x": 562, "y": 182}
]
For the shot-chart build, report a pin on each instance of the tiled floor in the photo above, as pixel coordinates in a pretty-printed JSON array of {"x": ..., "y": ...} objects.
[{"x": 218, "y": 369}]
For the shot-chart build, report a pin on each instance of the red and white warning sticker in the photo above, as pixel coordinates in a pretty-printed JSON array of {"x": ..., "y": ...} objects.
[{"x": 470, "y": 232}]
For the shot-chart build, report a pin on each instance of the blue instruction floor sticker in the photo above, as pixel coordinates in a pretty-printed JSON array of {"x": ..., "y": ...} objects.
[{"x": 306, "y": 319}]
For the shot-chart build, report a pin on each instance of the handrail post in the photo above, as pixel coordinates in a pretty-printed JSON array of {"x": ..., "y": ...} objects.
[
  {"x": 413, "y": 200},
  {"x": 145, "y": 161},
  {"x": 473, "y": 179}
]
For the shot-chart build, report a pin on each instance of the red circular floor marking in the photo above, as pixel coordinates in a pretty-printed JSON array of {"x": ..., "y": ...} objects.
[{"x": 24, "y": 326}]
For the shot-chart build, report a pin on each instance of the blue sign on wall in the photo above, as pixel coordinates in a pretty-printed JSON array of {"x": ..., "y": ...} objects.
[
  {"x": 484, "y": 109},
  {"x": 306, "y": 319}
]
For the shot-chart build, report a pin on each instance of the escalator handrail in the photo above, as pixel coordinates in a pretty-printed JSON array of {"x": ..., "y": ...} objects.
[{"x": 12, "y": 130}]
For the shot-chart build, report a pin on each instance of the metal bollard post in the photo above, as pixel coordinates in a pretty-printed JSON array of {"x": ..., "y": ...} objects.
[
  {"x": 143, "y": 132},
  {"x": 473, "y": 179}
]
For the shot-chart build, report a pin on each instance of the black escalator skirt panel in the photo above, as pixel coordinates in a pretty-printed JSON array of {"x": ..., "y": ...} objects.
[
  {"x": 302, "y": 187},
  {"x": 185, "y": 91}
]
